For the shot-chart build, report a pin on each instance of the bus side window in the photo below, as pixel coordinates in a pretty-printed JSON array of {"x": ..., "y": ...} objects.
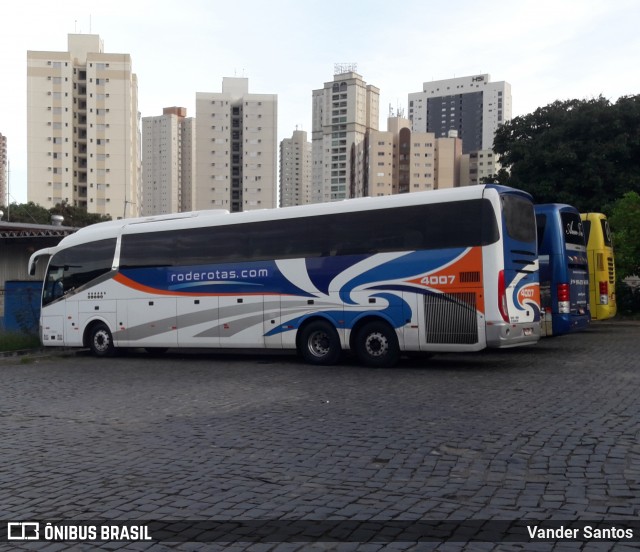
[
  {"x": 586, "y": 225},
  {"x": 412, "y": 240}
]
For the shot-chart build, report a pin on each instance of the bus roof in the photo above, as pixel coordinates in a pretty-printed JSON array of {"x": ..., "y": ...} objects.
[
  {"x": 555, "y": 208},
  {"x": 196, "y": 219},
  {"x": 592, "y": 214}
]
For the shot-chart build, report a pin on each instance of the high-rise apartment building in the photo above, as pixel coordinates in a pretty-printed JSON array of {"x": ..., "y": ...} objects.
[
  {"x": 295, "y": 170},
  {"x": 448, "y": 161},
  {"x": 472, "y": 106},
  {"x": 4, "y": 199},
  {"x": 82, "y": 129},
  {"x": 343, "y": 111},
  {"x": 395, "y": 161},
  {"x": 236, "y": 148},
  {"x": 478, "y": 166},
  {"x": 168, "y": 162},
  {"x": 400, "y": 161}
]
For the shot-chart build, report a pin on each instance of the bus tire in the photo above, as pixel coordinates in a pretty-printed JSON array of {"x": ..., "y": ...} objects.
[
  {"x": 101, "y": 341},
  {"x": 376, "y": 345},
  {"x": 319, "y": 343}
]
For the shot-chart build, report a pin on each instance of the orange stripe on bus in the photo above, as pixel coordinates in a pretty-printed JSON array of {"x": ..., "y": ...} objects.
[{"x": 449, "y": 279}]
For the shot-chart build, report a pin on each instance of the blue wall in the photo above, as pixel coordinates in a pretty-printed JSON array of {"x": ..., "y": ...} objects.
[{"x": 22, "y": 306}]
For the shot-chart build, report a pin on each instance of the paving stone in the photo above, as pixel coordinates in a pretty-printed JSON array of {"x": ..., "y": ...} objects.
[{"x": 524, "y": 433}]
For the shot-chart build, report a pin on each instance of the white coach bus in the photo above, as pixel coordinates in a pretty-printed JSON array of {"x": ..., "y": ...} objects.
[{"x": 447, "y": 270}]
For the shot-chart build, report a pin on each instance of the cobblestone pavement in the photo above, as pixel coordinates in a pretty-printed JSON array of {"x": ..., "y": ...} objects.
[{"x": 550, "y": 431}]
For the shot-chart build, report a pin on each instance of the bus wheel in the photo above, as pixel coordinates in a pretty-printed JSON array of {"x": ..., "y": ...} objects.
[
  {"x": 377, "y": 345},
  {"x": 101, "y": 341},
  {"x": 319, "y": 343}
]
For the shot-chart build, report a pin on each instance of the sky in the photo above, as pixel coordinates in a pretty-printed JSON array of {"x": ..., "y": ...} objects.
[{"x": 547, "y": 50}]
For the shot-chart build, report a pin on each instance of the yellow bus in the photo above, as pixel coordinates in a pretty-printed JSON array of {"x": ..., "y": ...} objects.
[{"x": 602, "y": 270}]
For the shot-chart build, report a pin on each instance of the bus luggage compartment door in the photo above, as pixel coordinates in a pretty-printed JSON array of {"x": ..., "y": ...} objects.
[
  {"x": 241, "y": 321},
  {"x": 152, "y": 322},
  {"x": 198, "y": 321}
]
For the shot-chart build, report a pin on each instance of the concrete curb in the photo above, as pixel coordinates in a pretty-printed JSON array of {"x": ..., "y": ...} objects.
[
  {"x": 616, "y": 322},
  {"x": 39, "y": 352}
]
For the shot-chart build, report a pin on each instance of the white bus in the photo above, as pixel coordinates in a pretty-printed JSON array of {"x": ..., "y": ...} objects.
[{"x": 447, "y": 270}]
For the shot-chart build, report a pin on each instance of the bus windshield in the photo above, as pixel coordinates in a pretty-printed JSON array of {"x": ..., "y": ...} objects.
[
  {"x": 572, "y": 226},
  {"x": 74, "y": 267},
  {"x": 519, "y": 218},
  {"x": 606, "y": 232}
]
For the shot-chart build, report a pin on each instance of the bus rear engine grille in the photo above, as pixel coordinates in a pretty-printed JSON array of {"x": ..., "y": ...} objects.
[
  {"x": 451, "y": 318},
  {"x": 610, "y": 266},
  {"x": 469, "y": 277}
]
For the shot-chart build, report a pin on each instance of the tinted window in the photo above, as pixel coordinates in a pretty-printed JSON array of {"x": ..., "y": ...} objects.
[
  {"x": 519, "y": 218},
  {"x": 572, "y": 228},
  {"x": 586, "y": 226},
  {"x": 606, "y": 232},
  {"x": 458, "y": 224},
  {"x": 71, "y": 268},
  {"x": 541, "y": 225}
]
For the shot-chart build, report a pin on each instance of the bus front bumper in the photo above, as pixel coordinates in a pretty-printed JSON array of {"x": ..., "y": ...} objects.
[{"x": 503, "y": 334}]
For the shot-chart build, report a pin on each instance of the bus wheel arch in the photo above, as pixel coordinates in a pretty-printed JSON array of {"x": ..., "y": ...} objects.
[
  {"x": 318, "y": 342},
  {"x": 99, "y": 339},
  {"x": 375, "y": 342}
]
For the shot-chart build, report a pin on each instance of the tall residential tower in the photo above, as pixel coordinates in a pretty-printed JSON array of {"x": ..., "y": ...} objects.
[
  {"x": 236, "y": 148},
  {"x": 343, "y": 111},
  {"x": 295, "y": 170},
  {"x": 473, "y": 106},
  {"x": 400, "y": 161},
  {"x": 168, "y": 162},
  {"x": 82, "y": 129}
]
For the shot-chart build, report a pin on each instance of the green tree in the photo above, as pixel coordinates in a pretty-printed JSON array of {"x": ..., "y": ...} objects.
[
  {"x": 582, "y": 152},
  {"x": 625, "y": 224},
  {"x": 76, "y": 216},
  {"x": 31, "y": 213}
]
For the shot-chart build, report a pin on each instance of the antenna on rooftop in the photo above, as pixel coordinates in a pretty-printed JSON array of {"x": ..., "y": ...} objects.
[{"x": 341, "y": 68}]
